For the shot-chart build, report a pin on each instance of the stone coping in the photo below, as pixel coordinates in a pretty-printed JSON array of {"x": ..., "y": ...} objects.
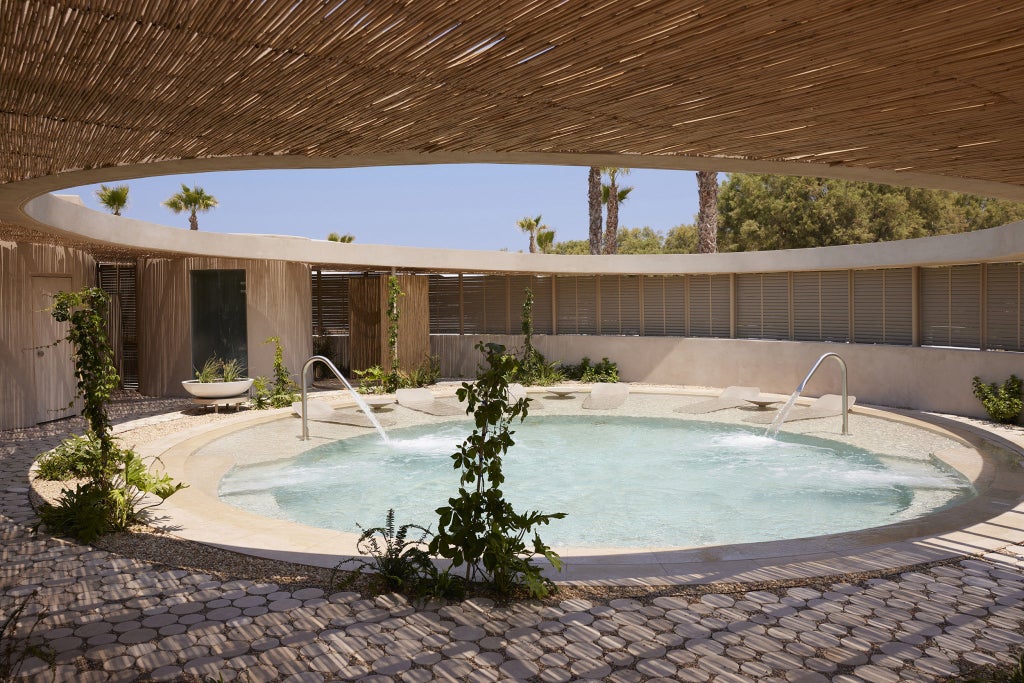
[{"x": 991, "y": 520}]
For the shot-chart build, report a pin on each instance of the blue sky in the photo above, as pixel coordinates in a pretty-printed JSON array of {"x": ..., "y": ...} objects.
[{"x": 472, "y": 206}]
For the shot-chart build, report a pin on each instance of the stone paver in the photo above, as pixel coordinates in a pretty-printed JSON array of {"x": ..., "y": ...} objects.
[{"x": 109, "y": 619}]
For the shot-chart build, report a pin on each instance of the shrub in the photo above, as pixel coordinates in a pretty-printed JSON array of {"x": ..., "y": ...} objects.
[
  {"x": 111, "y": 499},
  {"x": 117, "y": 482},
  {"x": 283, "y": 392},
  {"x": 605, "y": 371},
  {"x": 1002, "y": 403},
  {"x": 69, "y": 460},
  {"x": 377, "y": 380}
]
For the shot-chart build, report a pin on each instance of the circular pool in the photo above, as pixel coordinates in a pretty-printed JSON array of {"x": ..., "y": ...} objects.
[{"x": 625, "y": 481}]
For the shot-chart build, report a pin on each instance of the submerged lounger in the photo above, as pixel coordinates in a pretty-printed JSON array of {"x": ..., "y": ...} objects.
[
  {"x": 731, "y": 397},
  {"x": 606, "y": 396},
  {"x": 425, "y": 402},
  {"x": 828, "y": 405},
  {"x": 321, "y": 412}
]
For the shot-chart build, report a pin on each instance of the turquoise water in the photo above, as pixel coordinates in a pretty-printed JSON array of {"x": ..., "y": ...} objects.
[{"x": 624, "y": 482}]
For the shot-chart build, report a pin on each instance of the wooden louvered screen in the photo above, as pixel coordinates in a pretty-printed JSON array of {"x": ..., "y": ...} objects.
[
  {"x": 951, "y": 306},
  {"x": 665, "y": 305},
  {"x": 119, "y": 282},
  {"x": 610, "y": 304},
  {"x": 762, "y": 305},
  {"x": 821, "y": 306},
  {"x": 474, "y": 304},
  {"x": 709, "y": 305},
  {"x": 497, "y": 314},
  {"x": 1003, "y": 307},
  {"x": 577, "y": 304},
  {"x": 675, "y": 305},
  {"x": 444, "y": 304},
  {"x": 541, "y": 289},
  {"x": 804, "y": 306},
  {"x": 330, "y": 302},
  {"x": 620, "y": 304},
  {"x": 883, "y": 306}
]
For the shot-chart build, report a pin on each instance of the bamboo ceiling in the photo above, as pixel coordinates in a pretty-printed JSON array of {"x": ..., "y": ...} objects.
[{"x": 850, "y": 88}]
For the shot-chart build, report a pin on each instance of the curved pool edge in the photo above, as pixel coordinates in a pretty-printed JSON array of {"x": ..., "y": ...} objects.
[{"x": 992, "y": 520}]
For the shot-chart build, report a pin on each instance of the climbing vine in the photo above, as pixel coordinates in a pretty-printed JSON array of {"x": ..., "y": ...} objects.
[
  {"x": 394, "y": 314},
  {"x": 117, "y": 482}
]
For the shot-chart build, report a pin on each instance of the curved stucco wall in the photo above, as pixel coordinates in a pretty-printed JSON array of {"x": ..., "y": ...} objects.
[
  {"x": 280, "y": 304},
  {"x": 1002, "y": 243}
]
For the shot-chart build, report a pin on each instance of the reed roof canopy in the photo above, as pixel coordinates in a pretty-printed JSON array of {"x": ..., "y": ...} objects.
[{"x": 917, "y": 93}]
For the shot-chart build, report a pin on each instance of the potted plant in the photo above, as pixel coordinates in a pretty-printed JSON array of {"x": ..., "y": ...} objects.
[{"x": 218, "y": 379}]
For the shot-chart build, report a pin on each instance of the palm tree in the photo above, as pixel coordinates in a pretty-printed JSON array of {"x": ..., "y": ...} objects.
[
  {"x": 611, "y": 195},
  {"x": 594, "y": 203},
  {"x": 545, "y": 240},
  {"x": 532, "y": 226},
  {"x": 707, "y": 214},
  {"x": 347, "y": 238},
  {"x": 113, "y": 198},
  {"x": 191, "y": 200}
]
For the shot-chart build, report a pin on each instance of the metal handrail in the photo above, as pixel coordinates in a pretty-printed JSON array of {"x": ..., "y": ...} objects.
[
  {"x": 842, "y": 365},
  {"x": 305, "y": 391}
]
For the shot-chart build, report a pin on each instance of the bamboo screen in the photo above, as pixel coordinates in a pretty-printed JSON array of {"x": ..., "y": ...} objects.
[
  {"x": 971, "y": 306},
  {"x": 932, "y": 87}
]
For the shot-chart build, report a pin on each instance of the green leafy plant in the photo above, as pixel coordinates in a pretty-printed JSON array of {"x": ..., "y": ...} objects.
[
  {"x": 1013, "y": 673},
  {"x": 92, "y": 508},
  {"x": 1003, "y": 403},
  {"x": 375, "y": 380},
  {"x": 70, "y": 459},
  {"x": 397, "y": 555},
  {"x": 394, "y": 313},
  {"x": 210, "y": 372},
  {"x": 231, "y": 371},
  {"x": 116, "y": 480},
  {"x": 604, "y": 371},
  {"x": 531, "y": 367},
  {"x": 15, "y": 646},
  {"x": 479, "y": 528},
  {"x": 426, "y": 374},
  {"x": 283, "y": 392}
]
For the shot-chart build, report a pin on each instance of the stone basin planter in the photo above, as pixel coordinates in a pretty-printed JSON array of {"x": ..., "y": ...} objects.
[{"x": 217, "y": 389}]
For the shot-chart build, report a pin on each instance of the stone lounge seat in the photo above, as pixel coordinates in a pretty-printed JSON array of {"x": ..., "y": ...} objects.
[
  {"x": 731, "y": 397},
  {"x": 606, "y": 396},
  {"x": 828, "y": 405},
  {"x": 319, "y": 411},
  {"x": 517, "y": 391},
  {"x": 424, "y": 401}
]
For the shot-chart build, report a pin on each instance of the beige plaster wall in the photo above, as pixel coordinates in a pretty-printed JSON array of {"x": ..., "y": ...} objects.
[
  {"x": 923, "y": 378},
  {"x": 1002, "y": 243},
  {"x": 278, "y": 303},
  {"x": 19, "y": 262}
]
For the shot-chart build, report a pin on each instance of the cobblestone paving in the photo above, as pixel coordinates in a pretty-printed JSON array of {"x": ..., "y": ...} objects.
[{"x": 112, "y": 618}]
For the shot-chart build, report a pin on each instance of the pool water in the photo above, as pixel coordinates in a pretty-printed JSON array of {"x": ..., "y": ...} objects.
[{"x": 625, "y": 482}]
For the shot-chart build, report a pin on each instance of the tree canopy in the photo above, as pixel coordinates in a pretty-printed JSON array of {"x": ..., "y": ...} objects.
[{"x": 763, "y": 212}]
